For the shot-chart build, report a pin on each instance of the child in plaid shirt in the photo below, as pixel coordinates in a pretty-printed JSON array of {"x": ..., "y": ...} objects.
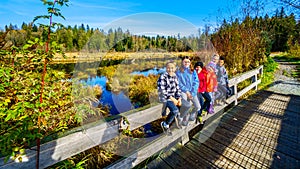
[{"x": 169, "y": 94}]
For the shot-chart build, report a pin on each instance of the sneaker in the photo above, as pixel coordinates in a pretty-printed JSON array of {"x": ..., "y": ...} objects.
[
  {"x": 204, "y": 113},
  {"x": 200, "y": 119},
  {"x": 164, "y": 125},
  {"x": 166, "y": 129},
  {"x": 211, "y": 110}
]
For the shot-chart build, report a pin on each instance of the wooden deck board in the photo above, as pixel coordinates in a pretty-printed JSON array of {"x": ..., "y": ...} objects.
[
  {"x": 242, "y": 146},
  {"x": 158, "y": 163},
  {"x": 291, "y": 148},
  {"x": 176, "y": 161},
  {"x": 259, "y": 133},
  {"x": 239, "y": 119},
  {"x": 270, "y": 138},
  {"x": 192, "y": 157},
  {"x": 211, "y": 155}
]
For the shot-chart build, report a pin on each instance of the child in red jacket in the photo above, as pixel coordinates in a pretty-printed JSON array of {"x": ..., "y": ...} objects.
[{"x": 203, "y": 96}]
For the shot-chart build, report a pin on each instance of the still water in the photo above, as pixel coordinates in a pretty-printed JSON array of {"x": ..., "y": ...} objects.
[{"x": 118, "y": 102}]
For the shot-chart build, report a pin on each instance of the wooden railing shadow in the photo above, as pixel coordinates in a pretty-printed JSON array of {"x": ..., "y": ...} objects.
[
  {"x": 288, "y": 138},
  {"x": 214, "y": 139},
  {"x": 219, "y": 135},
  {"x": 60, "y": 149}
]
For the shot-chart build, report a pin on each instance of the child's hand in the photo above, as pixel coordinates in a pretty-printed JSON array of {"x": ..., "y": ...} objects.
[
  {"x": 174, "y": 100},
  {"x": 189, "y": 95},
  {"x": 215, "y": 89},
  {"x": 179, "y": 102}
]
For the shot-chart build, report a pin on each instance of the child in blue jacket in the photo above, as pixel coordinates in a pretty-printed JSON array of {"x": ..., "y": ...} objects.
[{"x": 188, "y": 83}]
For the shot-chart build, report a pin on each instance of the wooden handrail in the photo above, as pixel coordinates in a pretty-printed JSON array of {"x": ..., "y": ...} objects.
[{"x": 62, "y": 148}]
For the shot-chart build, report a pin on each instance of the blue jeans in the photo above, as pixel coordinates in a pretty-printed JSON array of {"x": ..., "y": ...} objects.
[
  {"x": 204, "y": 99},
  {"x": 173, "y": 111},
  {"x": 164, "y": 109}
]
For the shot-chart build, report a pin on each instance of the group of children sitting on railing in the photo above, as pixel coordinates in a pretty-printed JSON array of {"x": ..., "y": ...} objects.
[{"x": 196, "y": 87}]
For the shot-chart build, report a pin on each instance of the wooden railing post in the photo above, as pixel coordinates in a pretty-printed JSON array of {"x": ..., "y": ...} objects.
[
  {"x": 235, "y": 93},
  {"x": 261, "y": 71},
  {"x": 185, "y": 138},
  {"x": 255, "y": 80}
]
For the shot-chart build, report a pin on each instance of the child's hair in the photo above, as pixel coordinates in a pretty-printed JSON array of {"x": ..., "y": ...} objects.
[
  {"x": 191, "y": 66},
  {"x": 222, "y": 58},
  {"x": 215, "y": 56},
  {"x": 213, "y": 66},
  {"x": 171, "y": 62},
  {"x": 198, "y": 64}
]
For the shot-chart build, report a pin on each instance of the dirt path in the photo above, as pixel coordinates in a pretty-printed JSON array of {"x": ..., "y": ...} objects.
[{"x": 284, "y": 83}]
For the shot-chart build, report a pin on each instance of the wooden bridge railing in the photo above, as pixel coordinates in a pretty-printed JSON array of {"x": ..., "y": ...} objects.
[{"x": 85, "y": 138}]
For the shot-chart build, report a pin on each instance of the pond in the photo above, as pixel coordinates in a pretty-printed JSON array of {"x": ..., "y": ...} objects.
[{"x": 118, "y": 102}]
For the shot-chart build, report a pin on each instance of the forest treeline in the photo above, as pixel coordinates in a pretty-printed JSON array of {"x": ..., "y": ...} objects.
[{"x": 245, "y": 44}]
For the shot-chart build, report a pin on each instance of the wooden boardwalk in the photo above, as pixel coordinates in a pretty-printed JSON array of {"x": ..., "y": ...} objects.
[{"x": 260, "y": 132}]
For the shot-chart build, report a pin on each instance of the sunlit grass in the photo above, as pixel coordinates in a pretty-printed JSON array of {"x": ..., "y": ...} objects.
[
  {"x": 285, "y": 57},
  {"x": 268, "y": 74}
]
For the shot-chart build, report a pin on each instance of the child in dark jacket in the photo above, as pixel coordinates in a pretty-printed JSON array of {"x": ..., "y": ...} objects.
[{"x": 223, "y": 85}]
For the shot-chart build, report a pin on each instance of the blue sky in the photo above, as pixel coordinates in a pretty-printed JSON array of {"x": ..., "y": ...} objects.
[{"x": 101, "y": 14}]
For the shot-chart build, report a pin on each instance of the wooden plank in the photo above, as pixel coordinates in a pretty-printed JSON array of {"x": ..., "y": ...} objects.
[
  {"x": 239, "y": 117},
  {"x": 145, "y": 152},
  {"x": 203, "y": 152},
  {"x": 279, "y": 107},
  {"x": 267, "y": 139},
  {"x": 140, "y": 118},
  {"x": 237, "y": 122},
  {"x": 244, "y": 76},
  {"x": 192, "y": 157},
  {"x": 210, "y": 149},
  {"x": 248, "y": 88},
  {"x": 62, "y": 148},
  {"x": 176, "y": 161},
  {"x": 244, "y": 146},
  {"x": 222, "y": 145},
  {"x": 158, "y": 163},
  {"x": 292, "y": 153}
]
